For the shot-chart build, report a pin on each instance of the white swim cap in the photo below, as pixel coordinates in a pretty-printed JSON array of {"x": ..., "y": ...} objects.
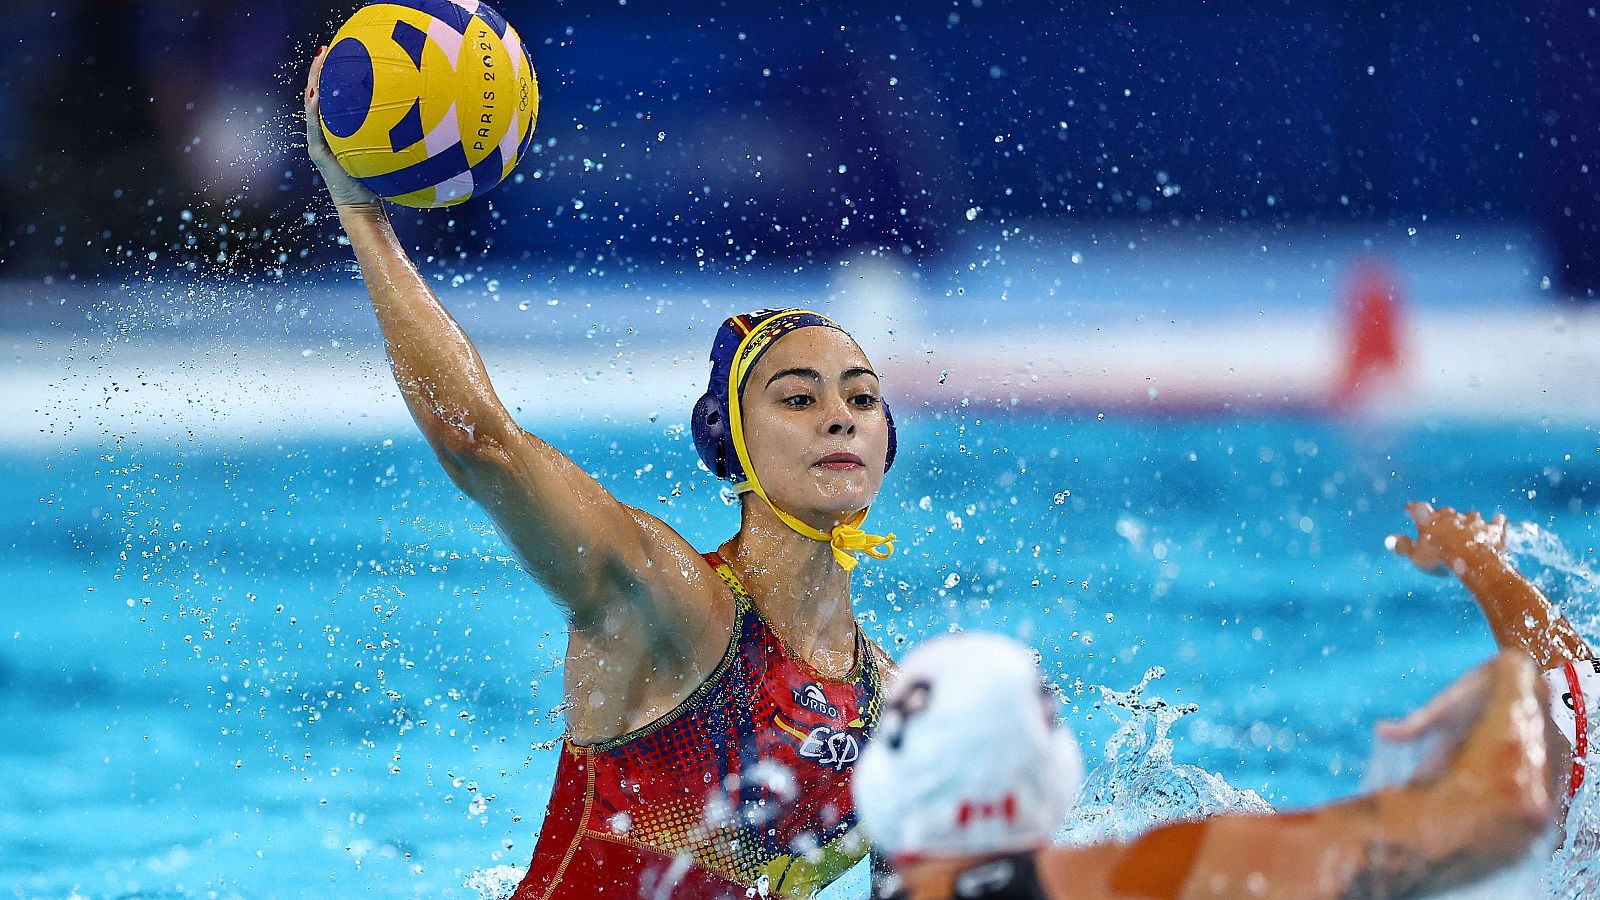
[{"x": 966, "y": 757}]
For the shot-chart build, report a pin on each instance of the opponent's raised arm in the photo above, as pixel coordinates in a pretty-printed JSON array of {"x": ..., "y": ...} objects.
[
  {"x": 1472, "y": 549},
  {"x": 574, "y": 536},
  {"x": 1494, "y": 797},
  {"x": 962, "y": 831}
]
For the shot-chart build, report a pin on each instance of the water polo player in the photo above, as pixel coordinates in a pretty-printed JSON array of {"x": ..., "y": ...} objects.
[
  {"x": 956, "y": 829},
  {"x": 716, "y": 703},
  {"x": 1520, "y": 616}
]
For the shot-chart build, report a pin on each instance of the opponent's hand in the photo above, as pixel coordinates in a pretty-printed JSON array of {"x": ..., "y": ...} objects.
[
  {"x": 1446, "y": 540},
  {"x": 1446, "y": 718},
  {"x": 1502, "y": 771},
  {"x": 346, "y": 191}
]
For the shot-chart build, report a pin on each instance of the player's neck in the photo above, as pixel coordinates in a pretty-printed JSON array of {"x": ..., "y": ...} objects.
[{"x": 799, "y": 586}]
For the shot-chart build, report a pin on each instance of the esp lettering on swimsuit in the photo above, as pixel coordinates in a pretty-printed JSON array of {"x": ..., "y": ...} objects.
[{"x": 831, "y": 746}]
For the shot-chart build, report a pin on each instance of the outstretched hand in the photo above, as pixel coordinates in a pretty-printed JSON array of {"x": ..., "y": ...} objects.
[
  {"x": 346, "y": 191},
  {"x": 1445, "y": 538},
  {"x": 1448, "y": 715},
  {"x": 1504, "y": 757}
]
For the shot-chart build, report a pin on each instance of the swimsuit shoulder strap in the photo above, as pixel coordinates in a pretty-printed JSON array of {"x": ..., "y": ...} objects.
[
  {"x": 741, "y": 597},
  {"x": 752, "y": 625}
]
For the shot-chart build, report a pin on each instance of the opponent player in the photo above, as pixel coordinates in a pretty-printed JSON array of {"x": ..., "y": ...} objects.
[
  {"x": 716, "y": 703},
  {"x": 969, "y": 778},
  {"x": 1520, "y": 616}
]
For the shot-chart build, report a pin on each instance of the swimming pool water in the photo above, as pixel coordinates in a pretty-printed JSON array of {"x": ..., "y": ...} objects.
[{"x": 311, "y": 668}]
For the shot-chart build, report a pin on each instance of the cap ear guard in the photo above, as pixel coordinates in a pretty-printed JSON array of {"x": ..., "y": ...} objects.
[
  {"x": 713, "y": 439},
  {"x": 888, "y": 418}
]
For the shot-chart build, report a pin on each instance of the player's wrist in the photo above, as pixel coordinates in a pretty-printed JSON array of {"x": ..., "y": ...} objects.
[
  {"x": 369, "y": 205},
  {"x": 358, "y": 212},
  {"x": 346, "y": 191},
  {"x": 1480, "y": 558}
]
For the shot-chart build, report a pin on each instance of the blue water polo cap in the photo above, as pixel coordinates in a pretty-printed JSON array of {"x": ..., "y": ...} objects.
[{"x": 713, "y": 434}]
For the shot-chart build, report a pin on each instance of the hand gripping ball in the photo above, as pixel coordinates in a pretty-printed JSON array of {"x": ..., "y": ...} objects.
[{"x": 428, "y": 102}]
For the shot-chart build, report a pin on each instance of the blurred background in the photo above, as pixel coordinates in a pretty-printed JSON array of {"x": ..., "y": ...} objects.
[{"x": 713, "y": 132}]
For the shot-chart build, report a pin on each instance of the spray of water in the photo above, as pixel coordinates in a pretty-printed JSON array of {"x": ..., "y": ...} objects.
[
  {"x": 496, "y": 882},
  {"x": 1566, "y": 578},
  {"x": 1138, "y": 786},
  {"x": 1571, "y": 583}
]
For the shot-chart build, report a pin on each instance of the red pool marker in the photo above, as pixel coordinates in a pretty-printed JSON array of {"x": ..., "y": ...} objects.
[{"x": 1372, "y": 352}]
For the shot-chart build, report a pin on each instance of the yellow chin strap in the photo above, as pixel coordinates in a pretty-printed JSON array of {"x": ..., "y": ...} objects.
[{"x": 847, "y": 538}]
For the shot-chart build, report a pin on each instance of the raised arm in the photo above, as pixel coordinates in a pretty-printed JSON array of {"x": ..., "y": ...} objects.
[
  {"x": 1495, "y": 797},
  {"x": 1481, "y": 808},
  {"x": 587, "y": 547},
  {"x": 1473, "y": 549}
]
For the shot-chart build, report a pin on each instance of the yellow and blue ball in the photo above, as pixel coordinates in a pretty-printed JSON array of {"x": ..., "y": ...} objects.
[{"x": 428, "y": 102}]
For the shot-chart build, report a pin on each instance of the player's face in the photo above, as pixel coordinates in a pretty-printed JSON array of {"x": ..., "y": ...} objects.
[{"x": 814, "y": 426}]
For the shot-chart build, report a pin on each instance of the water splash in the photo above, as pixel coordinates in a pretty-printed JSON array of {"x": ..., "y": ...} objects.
[
  {"x": 1138, "y": 786},
  {"x": 1572, "y": 585},
  {"x": 1566, "y": 578},
  {"x": 495, "y": 882},
  {"x": 1574, "y": 872}
]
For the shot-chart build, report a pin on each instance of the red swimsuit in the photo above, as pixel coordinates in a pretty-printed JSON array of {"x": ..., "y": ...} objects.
[{"x": 746, "y": 784}]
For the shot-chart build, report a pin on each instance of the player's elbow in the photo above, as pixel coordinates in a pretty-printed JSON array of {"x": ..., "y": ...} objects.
[
  {"x": 461, "y": 436},
  {"x": 468, "y": 454}
]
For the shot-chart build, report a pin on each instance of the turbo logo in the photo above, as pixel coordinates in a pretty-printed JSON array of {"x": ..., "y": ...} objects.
[
  {"x": 830, "y": 747},
  {"x": 811, "y": 697}
]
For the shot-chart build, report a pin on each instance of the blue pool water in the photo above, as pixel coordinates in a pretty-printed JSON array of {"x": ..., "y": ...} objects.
[{"x": 312, "y": 668}]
